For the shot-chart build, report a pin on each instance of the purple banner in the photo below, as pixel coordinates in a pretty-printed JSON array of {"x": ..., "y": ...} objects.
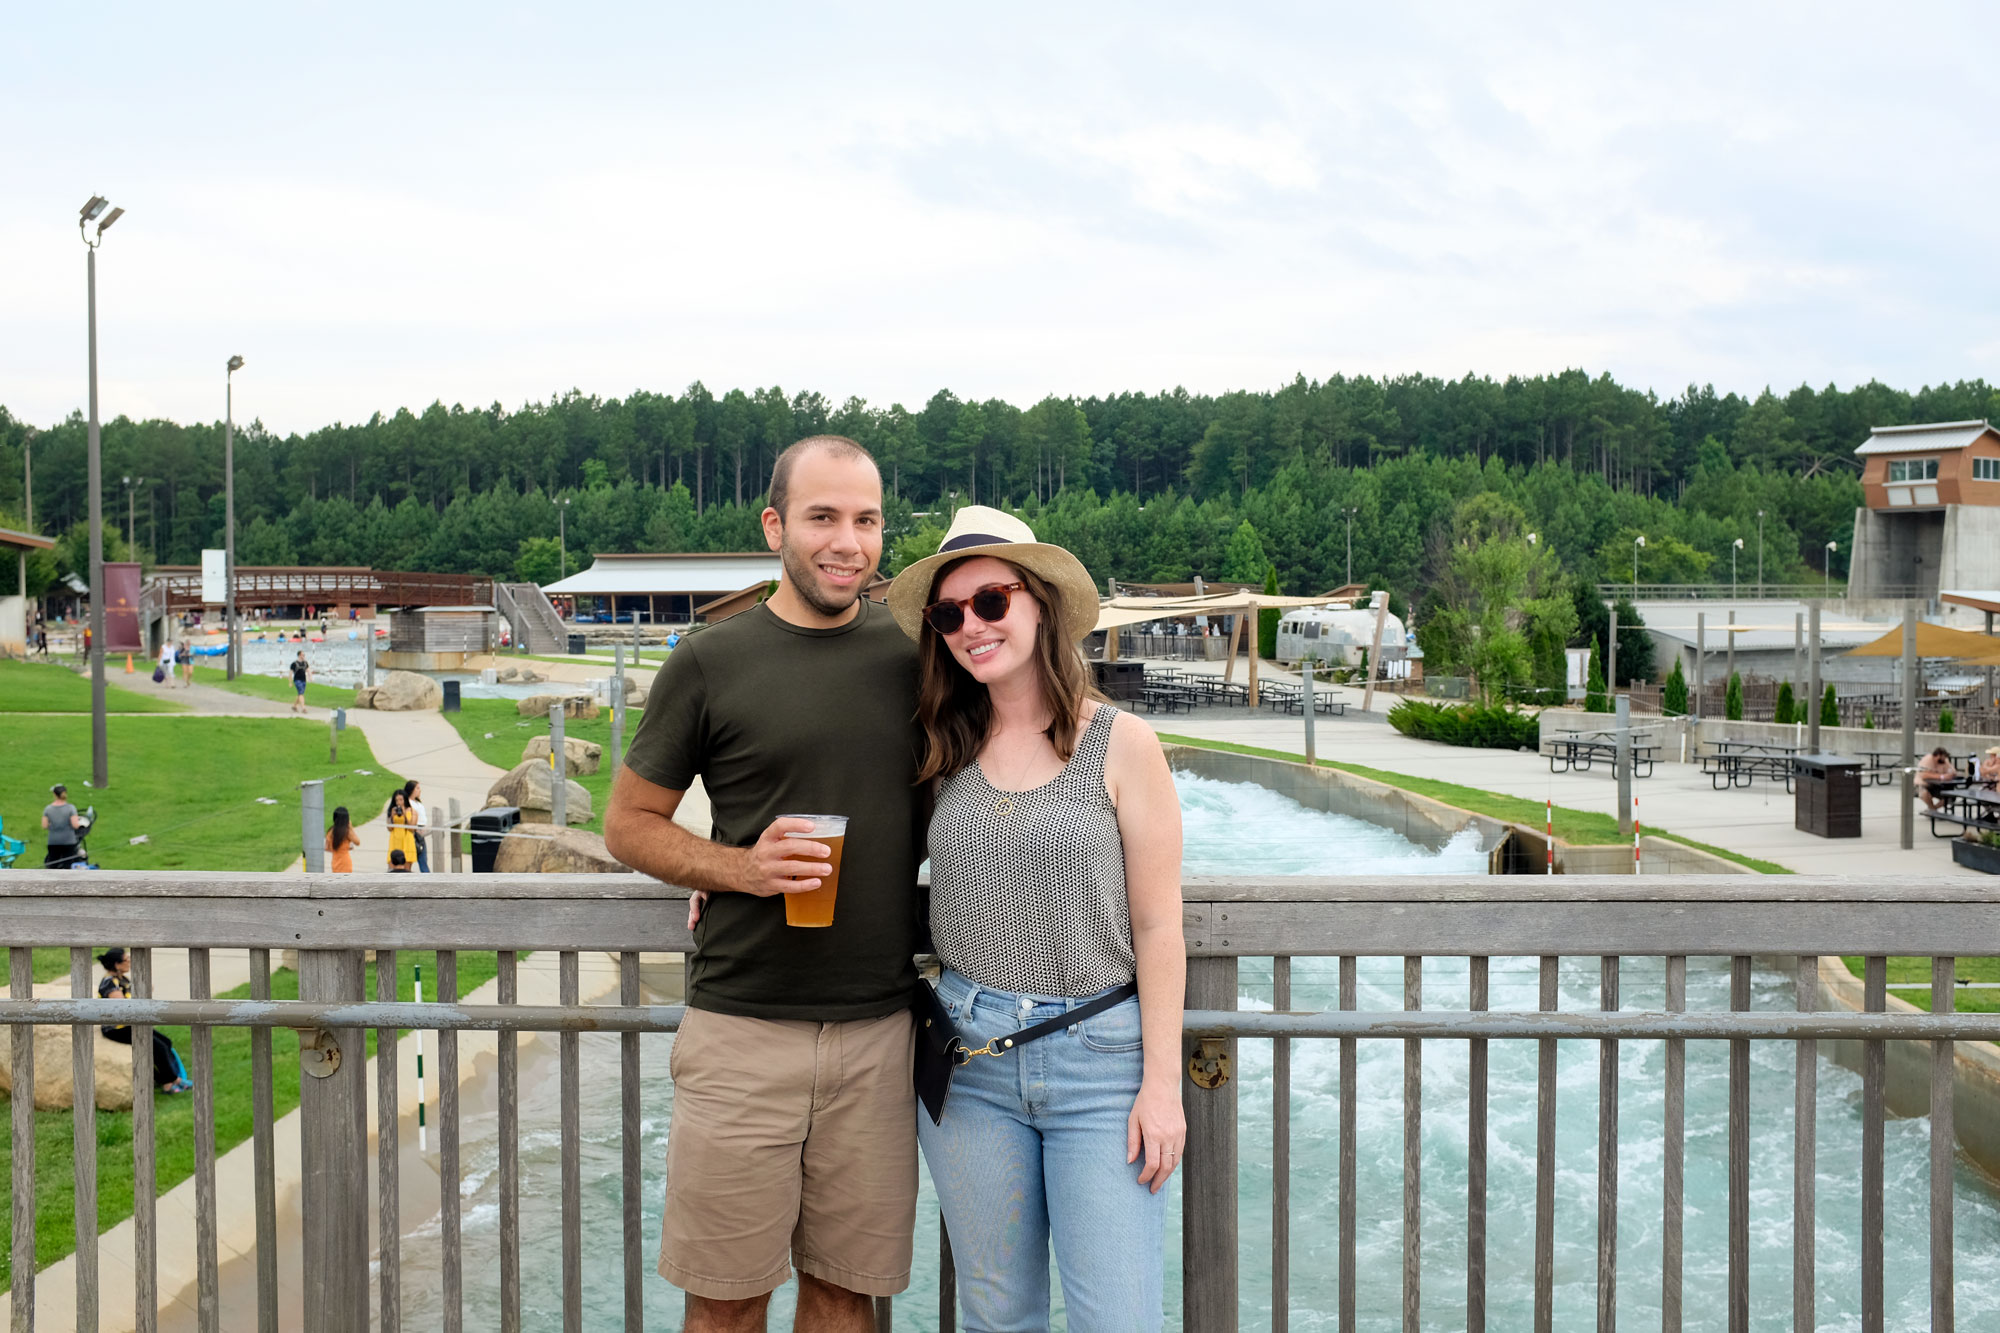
[{"x": 121, "y": 608}]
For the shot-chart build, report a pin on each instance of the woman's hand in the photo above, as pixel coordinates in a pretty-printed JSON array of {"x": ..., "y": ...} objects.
[{"x": 1157, "y": 1128}]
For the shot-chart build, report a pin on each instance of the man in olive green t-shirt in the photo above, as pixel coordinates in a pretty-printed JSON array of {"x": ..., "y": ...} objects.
[{"x": 793, "y": 1139}]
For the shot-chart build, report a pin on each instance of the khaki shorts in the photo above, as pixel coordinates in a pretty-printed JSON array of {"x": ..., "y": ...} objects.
[{"x": 792, "y": 1143}]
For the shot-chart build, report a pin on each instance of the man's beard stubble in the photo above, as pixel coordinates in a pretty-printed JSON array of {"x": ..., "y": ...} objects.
[{"x": 805, "y": 578}]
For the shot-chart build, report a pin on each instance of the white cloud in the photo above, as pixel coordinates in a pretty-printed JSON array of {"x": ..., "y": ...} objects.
[{"x": 379, "y": 210}]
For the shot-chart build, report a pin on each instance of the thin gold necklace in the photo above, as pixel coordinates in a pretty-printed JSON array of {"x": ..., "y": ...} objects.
[{"x": 1005, "y": 805}]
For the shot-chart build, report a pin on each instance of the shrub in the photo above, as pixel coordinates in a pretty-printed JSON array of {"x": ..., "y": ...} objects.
[
  {"x": 1947, "y": 721},
  {"x": 1595, "y": 699},
  {"x": 1829, "y": 709},
  {"x": 1481, "y": 726},
  {"x": 1732, "y": 698},
  {"x": 1674, "y": 694},
  {"x": 1784, "y": 713},
  {"x": 1267, "y": 621},
  {"x": 1867, "y": 722}
]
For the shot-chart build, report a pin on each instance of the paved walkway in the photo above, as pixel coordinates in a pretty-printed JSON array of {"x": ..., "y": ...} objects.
[{"x": 1752, "y": 821}]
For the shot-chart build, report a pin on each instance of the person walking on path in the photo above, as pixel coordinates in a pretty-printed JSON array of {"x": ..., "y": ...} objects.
[
  {"x": 169, "y": 1074},
  {"x": 62, "y": 822},
  {"x": 793, "y": 1137},
  {"x": 166, "y": 664},
  {"x": 300, "y": 673},
  {"x": 1055, "y": 890},
  {"x": 402, "y": 840},
  {"x": 420, "y": 817},
  {"x": 341, "y": 840},
  {"x": 187, "y": 665}
]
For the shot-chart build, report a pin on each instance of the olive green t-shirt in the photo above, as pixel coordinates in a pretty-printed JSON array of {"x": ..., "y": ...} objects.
[{"x": 779, "y": 719}]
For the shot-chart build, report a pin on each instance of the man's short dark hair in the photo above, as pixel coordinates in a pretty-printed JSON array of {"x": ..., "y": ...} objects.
[{"x": 781, "y": 471}]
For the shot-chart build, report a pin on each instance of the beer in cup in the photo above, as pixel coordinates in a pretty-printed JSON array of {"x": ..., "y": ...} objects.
[{"x": 814, "y": 907}]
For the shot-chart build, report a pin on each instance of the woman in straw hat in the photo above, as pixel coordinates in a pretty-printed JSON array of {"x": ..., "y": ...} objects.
[{"x": 1055, "y": 888}]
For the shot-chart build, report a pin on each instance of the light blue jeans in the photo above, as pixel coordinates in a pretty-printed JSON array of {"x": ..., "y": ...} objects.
[{"x": 1033, "y": 1147}]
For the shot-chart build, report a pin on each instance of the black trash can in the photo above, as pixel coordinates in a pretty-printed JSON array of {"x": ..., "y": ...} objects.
[
  {"x": 577, "y": 645},
  {"x": 489, "y": 830},
  {"x": 1827, "y": 798},
  {"x": 451, "y": 696}
]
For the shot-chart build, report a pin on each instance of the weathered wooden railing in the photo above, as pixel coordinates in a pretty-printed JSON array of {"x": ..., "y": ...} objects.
[{"x": 331, "y": 919}]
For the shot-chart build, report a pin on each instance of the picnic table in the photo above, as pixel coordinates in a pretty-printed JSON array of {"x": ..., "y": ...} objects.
[
  {"x": 1965, "y": 803},
  {"x": 1171, "y": 696},
  {"x": 1736, "y": 763},
  {"x": 1884, "y": 765},
  {"x": 1574, "y": 750}
]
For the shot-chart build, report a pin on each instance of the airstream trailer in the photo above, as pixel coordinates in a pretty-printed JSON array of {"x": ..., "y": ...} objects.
[{"x": 1337, "y": 637}]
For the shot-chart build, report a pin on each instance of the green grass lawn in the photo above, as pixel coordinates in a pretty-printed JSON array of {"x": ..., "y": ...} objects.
[
  {"x": 1578, "y": 827},
  {"x": 274, "y": 687},
  {"x": 1919, "y": 969},
  {"x": 498, "y": 734},
  {"x": 48, "y": 687},
  {"x": 190, "y": 785},
  {"x": 174, "y": 1116}
]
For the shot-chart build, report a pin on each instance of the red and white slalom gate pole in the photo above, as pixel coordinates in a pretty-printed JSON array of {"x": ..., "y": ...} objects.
[
  {"x": 1635, "y": 835},
  {"x": 1550, "y": 844}
]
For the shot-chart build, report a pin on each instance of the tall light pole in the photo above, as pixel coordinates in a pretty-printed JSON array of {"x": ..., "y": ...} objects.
[
  {"x": 28, "y": 477},
  {"x": 1829, "y": 567},
  {"x": 100, "y": 752},
  {"x": 1734, "y": 547},
  {"x": 562, "y": 533},
  {"x": 230, "y": 665},
  {"x": 131, "y": 541},
  {"x": 1760, "y": 553},
  {"x": 1349, "y": 515},
  {"x": 1637, "y": 542}
]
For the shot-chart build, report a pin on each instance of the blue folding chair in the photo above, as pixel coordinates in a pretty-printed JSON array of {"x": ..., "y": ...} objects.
[{"x": 10, "y": 848}]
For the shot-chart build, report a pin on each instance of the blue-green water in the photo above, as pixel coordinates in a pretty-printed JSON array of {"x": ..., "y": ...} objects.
[{"x": 1288, "y": 839}]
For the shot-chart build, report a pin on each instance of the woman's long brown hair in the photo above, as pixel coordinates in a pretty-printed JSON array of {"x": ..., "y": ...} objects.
[{"x": 955, "y": 710}]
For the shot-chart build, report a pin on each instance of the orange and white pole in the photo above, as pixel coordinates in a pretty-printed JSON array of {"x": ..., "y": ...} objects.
[
  {"x": 1550, "y": 844},
  {"x": 1635, "y": 836}
]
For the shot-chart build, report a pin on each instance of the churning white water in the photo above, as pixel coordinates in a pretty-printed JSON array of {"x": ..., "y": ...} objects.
[{"x": 1245, "y": 829}]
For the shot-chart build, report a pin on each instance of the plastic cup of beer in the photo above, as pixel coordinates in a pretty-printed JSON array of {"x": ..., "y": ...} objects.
[{"x": 814, "y": 907}]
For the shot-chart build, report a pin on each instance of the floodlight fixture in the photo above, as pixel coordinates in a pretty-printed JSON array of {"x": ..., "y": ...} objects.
[
  {"x": 235, "y": 364},
  {"x": 110, "y": 218},
  {"x": 1738, "y": 543},
  {"x": 90, "y": 210}
]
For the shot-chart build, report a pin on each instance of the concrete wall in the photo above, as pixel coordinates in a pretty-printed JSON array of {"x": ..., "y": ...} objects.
[
  {"x": 1971, "y": 548},
  {"x": 13, "y": 626},
  {"x": 1975, "y": 1094}
]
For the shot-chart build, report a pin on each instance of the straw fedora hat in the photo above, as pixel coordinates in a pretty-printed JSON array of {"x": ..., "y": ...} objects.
[{"x": 978, "y": 530}]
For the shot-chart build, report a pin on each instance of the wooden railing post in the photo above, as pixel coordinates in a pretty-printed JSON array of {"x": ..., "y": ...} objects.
[
  {"x": 1208, "y": 1192},
  {"x": 333, "y": 1144}
]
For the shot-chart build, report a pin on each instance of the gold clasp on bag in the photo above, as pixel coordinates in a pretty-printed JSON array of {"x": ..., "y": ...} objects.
[{"x": 965, "y": 1053}]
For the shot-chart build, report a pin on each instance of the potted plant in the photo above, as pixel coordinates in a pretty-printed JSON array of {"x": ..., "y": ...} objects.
[{"x": 1980, "y": 851}]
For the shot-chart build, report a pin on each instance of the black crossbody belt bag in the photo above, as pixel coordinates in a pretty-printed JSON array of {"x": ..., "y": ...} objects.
[{"x": 941, "y": 1052}]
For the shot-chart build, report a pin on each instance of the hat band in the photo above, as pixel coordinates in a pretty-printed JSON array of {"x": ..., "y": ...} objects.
[{"x": 973, "y": 539}]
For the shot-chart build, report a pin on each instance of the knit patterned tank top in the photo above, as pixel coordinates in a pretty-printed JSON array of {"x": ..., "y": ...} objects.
[{"x": 1028, "y": 888}]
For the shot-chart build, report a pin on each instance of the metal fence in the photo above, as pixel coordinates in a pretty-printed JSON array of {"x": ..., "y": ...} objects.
[{"x": 330, "y": 919}]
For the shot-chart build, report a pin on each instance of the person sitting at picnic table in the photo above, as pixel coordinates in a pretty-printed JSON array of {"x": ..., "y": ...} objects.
[
  {"x": 1989, "y": 767},
  {"x": 1933, "y": 771}
]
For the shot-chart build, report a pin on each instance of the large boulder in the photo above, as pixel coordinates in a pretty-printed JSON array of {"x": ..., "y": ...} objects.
[
  {"x": 573, "y": 705},
  {"x": 53, "y": 1089},
  {"x": 507, "y": 674},
  {"x": 364, "y": 696},
  {"x": 578, "y": 756},
  {"x": 635, "y": 695},
  {"x": 544, "y": 849},
  {"x": 407, "y": 692},
  {"x": 530, "y": 785}
]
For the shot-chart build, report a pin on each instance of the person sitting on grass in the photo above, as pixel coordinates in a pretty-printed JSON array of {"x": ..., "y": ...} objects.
[
  {"x": 169, "y": 1074},
  {"x": 1933, "y": 771}
]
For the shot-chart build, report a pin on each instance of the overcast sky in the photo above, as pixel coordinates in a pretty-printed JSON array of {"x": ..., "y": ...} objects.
[{"x": 382, "y": 206}]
